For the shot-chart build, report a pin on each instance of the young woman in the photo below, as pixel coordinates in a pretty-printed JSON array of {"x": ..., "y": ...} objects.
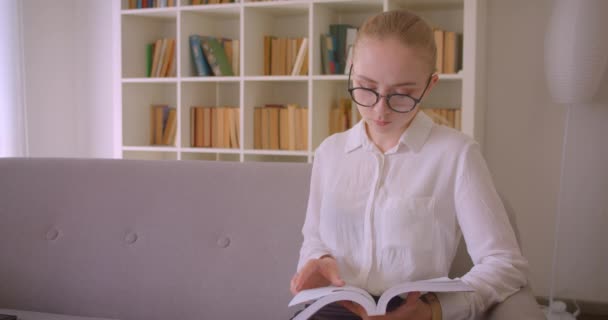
[{"x": 391, "y": 197}]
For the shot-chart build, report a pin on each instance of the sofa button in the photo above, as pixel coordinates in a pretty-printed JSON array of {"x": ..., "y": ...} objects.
[
  {"x": 223, "y": 242},
  {"x": 131, "y": 238},
  {"x": 52, "y": 234}
]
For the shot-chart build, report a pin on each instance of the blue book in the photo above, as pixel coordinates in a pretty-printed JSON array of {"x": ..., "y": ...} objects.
[{"x": 200, "y": 63}]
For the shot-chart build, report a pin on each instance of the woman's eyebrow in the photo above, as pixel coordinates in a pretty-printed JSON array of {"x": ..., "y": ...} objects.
[{"x": 403, "y": 84}]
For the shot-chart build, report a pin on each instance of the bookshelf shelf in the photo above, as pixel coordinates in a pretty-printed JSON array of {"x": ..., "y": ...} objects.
[
  {"x": 249, "y": 22},
  {"x": 149, "y": 80}
]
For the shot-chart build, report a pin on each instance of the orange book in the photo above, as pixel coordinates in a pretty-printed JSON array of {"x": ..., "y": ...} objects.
[
  {"x": 228, "y": 118},
  {"x": 292, "y": 116},
  {"x": 438, "y": 34},
  {"x": 265, "y": 128},
  {"x": 274, "y": 57},
  {"x": 157, "y": 48},
  {"x": 273, "y": 130},
  {"x": 304, "y": 119},
  {"x": 215, "y": 137},
  {"x": 267, "y": 55},
  {"x": 234, "y": 128},
  {"x": 257, "y": 128},
  {"x": 192, "y": 126},
  {"x": 207, "y": 127},
  {"x": 283, "y": 129},
  {"x": 170, "y": 128},
  {"x": 450, "y": 52},
  {"x": 158, "y": 124},
  {"x": 169, "y": 56},
  {"x": 200, "y": 118}
]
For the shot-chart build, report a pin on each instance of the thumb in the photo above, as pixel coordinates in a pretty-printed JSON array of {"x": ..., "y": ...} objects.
[{"x": 331, "y": 274}]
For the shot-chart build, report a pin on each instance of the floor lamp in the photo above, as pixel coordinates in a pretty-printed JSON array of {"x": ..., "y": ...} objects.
[{"x": 576, "y": 55}]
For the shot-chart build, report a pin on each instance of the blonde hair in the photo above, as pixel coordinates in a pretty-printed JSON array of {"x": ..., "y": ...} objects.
[{"x": 405, "y": 26}]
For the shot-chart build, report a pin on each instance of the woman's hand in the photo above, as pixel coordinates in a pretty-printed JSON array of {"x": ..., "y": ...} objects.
[
  {"x": 412, "y": 309},
  {"x": 316, "y": 273}
]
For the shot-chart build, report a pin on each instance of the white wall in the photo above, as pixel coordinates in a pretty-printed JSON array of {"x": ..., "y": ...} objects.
[
  {"x": 68, "y": 57},
  {"x": 523, "y": 144}
]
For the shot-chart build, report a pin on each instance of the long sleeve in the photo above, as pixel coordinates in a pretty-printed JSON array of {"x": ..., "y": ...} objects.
[
  {"x": 312, "y": 246},
  {"x": 499, "y": 268}
]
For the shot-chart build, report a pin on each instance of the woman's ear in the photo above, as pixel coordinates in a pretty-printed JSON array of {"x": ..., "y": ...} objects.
[{"x": 434, "y": 79}]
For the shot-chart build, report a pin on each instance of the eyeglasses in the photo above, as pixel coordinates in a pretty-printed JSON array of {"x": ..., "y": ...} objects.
[{"x": 397, "y": 102}]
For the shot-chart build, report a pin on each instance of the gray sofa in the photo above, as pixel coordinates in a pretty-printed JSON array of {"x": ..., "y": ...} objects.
[{"x": 157, "y": 240}]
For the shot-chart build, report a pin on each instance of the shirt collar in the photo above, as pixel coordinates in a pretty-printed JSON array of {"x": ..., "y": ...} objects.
[{"x": 414, "y": 136}]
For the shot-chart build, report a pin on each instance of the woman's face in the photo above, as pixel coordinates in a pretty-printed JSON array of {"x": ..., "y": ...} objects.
[{"x": 389, "y": 67}]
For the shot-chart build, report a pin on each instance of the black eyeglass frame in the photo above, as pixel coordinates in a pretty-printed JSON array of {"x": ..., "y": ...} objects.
[{"x": 388, "y": 96}]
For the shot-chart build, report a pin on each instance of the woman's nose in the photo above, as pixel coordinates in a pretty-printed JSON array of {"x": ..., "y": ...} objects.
[{"x": 382, "y": 106}]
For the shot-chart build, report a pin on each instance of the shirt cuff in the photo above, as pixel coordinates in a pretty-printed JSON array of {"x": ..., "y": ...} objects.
[{"x": 454, "y": 305}]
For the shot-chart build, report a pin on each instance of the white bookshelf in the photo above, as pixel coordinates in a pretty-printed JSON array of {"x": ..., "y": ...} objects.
[{"x": 249, "y": 22}]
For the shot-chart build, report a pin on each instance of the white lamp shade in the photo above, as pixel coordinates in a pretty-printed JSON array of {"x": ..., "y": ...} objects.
[{"x": 576, "y": 49}]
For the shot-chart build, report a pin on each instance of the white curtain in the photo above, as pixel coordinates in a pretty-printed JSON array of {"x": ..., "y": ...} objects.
[{"x": 13, "y": 114}]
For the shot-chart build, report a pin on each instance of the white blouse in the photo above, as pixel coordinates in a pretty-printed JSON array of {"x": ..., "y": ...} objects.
[{"x": 399, "y": 216}]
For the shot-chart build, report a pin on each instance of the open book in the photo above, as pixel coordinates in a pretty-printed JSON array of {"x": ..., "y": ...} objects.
[{"x": 326, "y": 295}]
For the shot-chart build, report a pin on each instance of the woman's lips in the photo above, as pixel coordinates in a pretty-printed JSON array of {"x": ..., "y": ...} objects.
[{"x": 381, "y": 123}]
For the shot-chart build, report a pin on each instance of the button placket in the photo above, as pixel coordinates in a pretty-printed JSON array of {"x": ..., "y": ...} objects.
[{"x": 369, "y": 234}]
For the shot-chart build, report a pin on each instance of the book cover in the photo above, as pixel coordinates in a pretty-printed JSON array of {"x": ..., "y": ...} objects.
[
  {"x": 234, "y": 128},
  {"x": 257, "y": 128},
  {"x": 273, "y": 115},
  {"x": 303, "y": 112},
  {"x": 157, "y": 48},
  {"x": 207, "y": 127},
  {"x": 438, "y": 34},
  {"x": 161, "y": 57},
  {"x": 326, "y": 295},
  {"x": 236, "y": 54},
  {"x": 283, "y": 129},
  {"x": 265, "y": 128},
  {"x": 169, "y": 56},
  {"x": 299, "y": 62},
  {"x": 216, "y": 57},
  {"x": 274, "y": 57},
  {"x": 227, "y": 123},
  {"x": 149, "y": 58},
  {"x": 170, "y": 128},
  {"x": 292, "y": 125},
  {"x": 267, "y": 55},
  {"x": 200, "y": 127},
  {"x": 199, "y": 60},
  {"x": 450, "y": 52},
  {"x": 214, "y": 128}
]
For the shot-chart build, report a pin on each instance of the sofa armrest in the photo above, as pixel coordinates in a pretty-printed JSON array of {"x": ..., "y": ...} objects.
[{"x": 521, "y": 305}]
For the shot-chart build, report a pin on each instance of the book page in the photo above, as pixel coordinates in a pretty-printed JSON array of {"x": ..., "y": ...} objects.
[
  {"x": 443, "y": 284},
  {"x": 357, "y": 296},
  {"x": 317, "y": 293}
]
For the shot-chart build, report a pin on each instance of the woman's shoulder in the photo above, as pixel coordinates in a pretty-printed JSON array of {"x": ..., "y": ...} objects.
[
  {"x": 335, "y": 142},
  {"x": 450, "y": 139}
]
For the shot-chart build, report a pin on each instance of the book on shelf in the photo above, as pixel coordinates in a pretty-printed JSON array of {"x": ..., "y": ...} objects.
[
  {"x": 320, "y": 297},
  {"x": 213, "y": 56},
  {"x": 280, "y": 127},
  {"x": 214, "y": 127},
  {"x": 329, "y": 63},
  {"x": 160, "y": 58},
  {"x": 449, "y": 51},
  {"x": 163, "y": 125},
  {"x": 145, "y": 4},
  {"x": 216, "y": 56},
  {"x": 198, "y": 58},
  {"x": 449, "y": 117},
  {"x": 340, "y": 116},
  {"x": 285, "y": 56},
  {"x": 198, "y": 2}
]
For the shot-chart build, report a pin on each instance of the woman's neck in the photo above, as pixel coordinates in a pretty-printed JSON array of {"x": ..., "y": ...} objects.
[{"x": 387, "y": 141}]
